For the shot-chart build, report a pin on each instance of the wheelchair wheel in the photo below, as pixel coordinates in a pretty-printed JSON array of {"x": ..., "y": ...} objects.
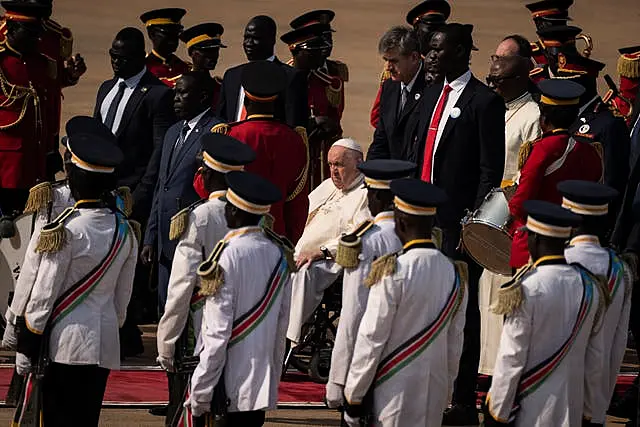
[{"x": 320, "y": 365}]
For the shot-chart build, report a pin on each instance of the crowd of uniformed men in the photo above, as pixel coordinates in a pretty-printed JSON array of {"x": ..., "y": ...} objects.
[{"x": 244, "y": 194}]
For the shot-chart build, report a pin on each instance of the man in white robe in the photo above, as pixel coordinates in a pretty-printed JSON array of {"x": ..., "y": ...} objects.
[
  {"x": 336, "y": 206},
  {"x": 591, "y": 201},
  {"x": 356, "y": 252},
  {"x": 409, "y": 341}
]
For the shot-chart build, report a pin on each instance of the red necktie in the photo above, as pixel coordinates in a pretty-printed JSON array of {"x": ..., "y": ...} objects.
[{"x": 432, "y": 133}]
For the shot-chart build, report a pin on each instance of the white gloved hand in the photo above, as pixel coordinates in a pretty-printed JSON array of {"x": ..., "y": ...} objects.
[
  {"x": 167, "y": 363},
  {"x": 334, "y": 395},
  {"x": 197, "y": 409},
  {"x": 350, "y": 421},
  {"x": 9, "y": 339},
  {"x": 23, "y": 364}
]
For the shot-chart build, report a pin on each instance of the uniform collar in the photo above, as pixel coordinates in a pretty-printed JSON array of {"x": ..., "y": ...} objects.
[
  {"x": 164, "y": 60},
  {"x": 558, "y": 131},
  {"x": 550, "y": 260},
  {"x": 241, "y": 232},
  {"x": 517, "y": 102},
  {"x": 418, "y": 243},
  {"x": 460, "y": 83},
  {"x": 585, "y": 239},
  {"x": 217, "y": 194},
  {"x": 260, "y": 116},
  {"x": 383, "y": 216}
]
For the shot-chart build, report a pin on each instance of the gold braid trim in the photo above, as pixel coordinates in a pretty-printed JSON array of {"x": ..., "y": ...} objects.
[
  {"x": 180, "y": 221},
  {"x": 267, "y": 221},
  {"x": 524, "y": 153},
  {"x": 350, "y": 246},
  {"x": 127, "y": 199},
  {"x": 302, "y": 178},
  {"x": 222, "y": 128},
  {"x": 510, "y": 295},
  {"x": 629, "y": 66},
  {"x": 53, "y": 236},
  {"x": 14, "y": 93},
  {"x": 210, "y": 272},
  {"x": 39, "y": 197},
  {"x": 382, "y": 267},
  {"x": 334, "y": 95}
]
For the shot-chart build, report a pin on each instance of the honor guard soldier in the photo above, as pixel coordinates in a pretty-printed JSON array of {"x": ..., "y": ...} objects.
[
  {"x": 24, "y": 75},
  {"x": 591, "y": 201},
  {"x": 425, "y": 18},
  {"x": 556, "y": 40},
  {"x": 326, "y": 96},
  {"x": 551, "y": 312},
  {"x": 409, "y": 342},
  {"x": 356, "y": 251},
  {"x": 282, "y": 153},
  {"x": 553, "y": 158},
  {"x": 246, "y": 284},
  {"x": 69, "y": 326},
  {"x": 164, "y": 28},
  {"x": 198, "y": 228},
  {"x": 203, "y": 43},
  {"x": 547, "y": 13},
  {"x": 629, "y": 72}
]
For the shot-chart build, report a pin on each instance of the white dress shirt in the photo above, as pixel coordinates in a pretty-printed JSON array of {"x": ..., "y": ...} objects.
[
  {"x": 457, "y": 86},
  {"x": 192, "y": 124},
  {"x": 132, "y": 83},
  {"x": 241, "y": 96},
  {"x": 408, "y": 87}
]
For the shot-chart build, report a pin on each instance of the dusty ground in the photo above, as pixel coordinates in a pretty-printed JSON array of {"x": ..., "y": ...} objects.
[{"x": 359, "y": 24}]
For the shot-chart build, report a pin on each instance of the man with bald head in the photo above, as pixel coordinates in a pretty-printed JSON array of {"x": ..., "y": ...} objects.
[
  {"x": 336, "y": 206},
  {"x": 514, "y": 45},
  {"x": 259, "y": 45},
  {"x": 508, "y": 77}
]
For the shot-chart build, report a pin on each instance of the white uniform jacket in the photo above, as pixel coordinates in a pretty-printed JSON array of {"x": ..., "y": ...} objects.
[
  {"x": 61, "y": 200},
  {"x": 207, "y": 226},
  {"x": 379, "y": 240},
  {"x": 552, "y": 295},
  {"x": 586, "y": 251},
  {"x": 252, "y": 366},
  {"x": 400, "y": 306},
  {"x": 88, "y": 335}
]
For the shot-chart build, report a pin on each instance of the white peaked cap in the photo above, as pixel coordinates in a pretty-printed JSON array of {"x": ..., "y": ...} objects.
[{"x": 348, "y": 143}]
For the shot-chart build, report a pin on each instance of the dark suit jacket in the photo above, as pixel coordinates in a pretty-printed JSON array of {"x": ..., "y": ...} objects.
[
  {"x": 469, "y": 158},
  {"x": 292, "y": 106},
  {"x": 389, "y": 140},
  {"x": 174, "y": 190},
  {"x": 148, "y": 115}
]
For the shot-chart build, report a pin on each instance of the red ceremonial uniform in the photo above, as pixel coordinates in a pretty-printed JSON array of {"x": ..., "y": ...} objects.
[
  {"x": 326, "y": 98},
  {"x": 22, "y": 147},
  {"x": 537, "y": 54},
  {"x": 375, "y": 109},
  {"x": 551, "y": 161},
  {"x": 168, "y": 70},
  {"x": 281, "y": 158}
]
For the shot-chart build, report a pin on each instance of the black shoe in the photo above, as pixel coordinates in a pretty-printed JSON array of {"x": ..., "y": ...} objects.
[
  {"x": 159, "y": 411},
  {"x": 460, "y": 415},
  {"x": 7, "y": 229}
]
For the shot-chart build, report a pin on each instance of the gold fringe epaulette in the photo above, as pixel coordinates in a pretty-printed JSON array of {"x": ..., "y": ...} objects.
[
  {"x": 436, "y": 236},
  {"x": 629, "y": 65},
  {"x": 302, "y": 178},
  {"x": 40, "y": 196},
  {"x": 53, "y": 236},
  {"x": 350, "y": 246},
  {"x": 334, "y": 94},
  {"x": 462, "y": 270},
  {"x": 210, "y": 272},
  {"x": 136, "y": 228},
  {"x": 382, "y": 267},
  {"x": 267, "y": 221},
  {"x": 222, "y": 128},
  {"x": 180, "y": 221},
  {"x": 283, "y": 243},
  {"x": 510, "y": 294},
  {"x": 338, "y": 68},
  {"x": 127, "y": 199},
  {"x": 524, "y": 152}
]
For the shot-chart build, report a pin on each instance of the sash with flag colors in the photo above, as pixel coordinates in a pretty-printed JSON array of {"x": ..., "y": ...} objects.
[{"x": 616, "y": 273}]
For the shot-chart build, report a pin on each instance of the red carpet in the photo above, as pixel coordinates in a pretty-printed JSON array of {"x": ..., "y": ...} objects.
[
  {"x": 150, "y": 387},
  {"x": 136, "y": 387}
]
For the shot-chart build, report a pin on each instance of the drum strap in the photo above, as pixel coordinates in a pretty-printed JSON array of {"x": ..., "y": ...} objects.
[
  {"x": 417, "y": 344},
  {"x": 616, "y": 274},
  {"x": 558, "y": 163}
]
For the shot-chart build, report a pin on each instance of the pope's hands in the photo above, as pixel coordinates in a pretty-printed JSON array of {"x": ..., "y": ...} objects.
[
  {"x": 167, "y": 363},
  {"x": 334, "y": 395},
  {"x": 23, "y": 364}
]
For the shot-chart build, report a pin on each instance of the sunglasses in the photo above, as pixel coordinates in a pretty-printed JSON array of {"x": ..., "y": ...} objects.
[{"x": 498, "y": 80}]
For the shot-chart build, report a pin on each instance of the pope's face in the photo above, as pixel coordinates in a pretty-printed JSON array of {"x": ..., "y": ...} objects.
[{"x": 343, "y": 164}]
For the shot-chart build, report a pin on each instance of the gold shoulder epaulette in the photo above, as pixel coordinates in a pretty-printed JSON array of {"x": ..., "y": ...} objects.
[
  {"x": 462, "y": 271},
  {"x": 53, "y": 236},
  {"x": 524, "y": 152},
  {"x": 510, "y": 294},
  {"x": 180, "y": 221},
  {"x": 629, "y": 65},
  {"x": 302, "y": 178},
  {"x": 267, "y": 221},
  {"x": 40, "y": 196},
  {"x": 350, "y": 246},
  {"x": 382, "y": 267},
  {"x": 341, "y": 69},
  {"x": 210, "y": 272},
  {"x": 283, "y": 243},
  {"x": 222, "y": 128}
]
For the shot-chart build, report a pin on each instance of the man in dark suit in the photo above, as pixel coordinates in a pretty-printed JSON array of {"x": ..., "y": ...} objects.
[
  {"x": 138, "y": 109},
  {"x": 460, "y": 147},
  {"x": 259, "y": 42},
  {"x": 174, "y": 190},
  {"x": 400, "y": 49}
]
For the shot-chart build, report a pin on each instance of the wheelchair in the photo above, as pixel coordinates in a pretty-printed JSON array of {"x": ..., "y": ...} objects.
[{"x": 313, "y": 355}]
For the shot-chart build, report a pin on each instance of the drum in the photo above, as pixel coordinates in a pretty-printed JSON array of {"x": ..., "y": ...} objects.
[
  {"x": 12, "y": 252},
  {"x": 485, "y": 233}
]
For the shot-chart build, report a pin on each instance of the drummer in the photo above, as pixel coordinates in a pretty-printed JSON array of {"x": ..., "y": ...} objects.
[{"x": 555, "y": 157}]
